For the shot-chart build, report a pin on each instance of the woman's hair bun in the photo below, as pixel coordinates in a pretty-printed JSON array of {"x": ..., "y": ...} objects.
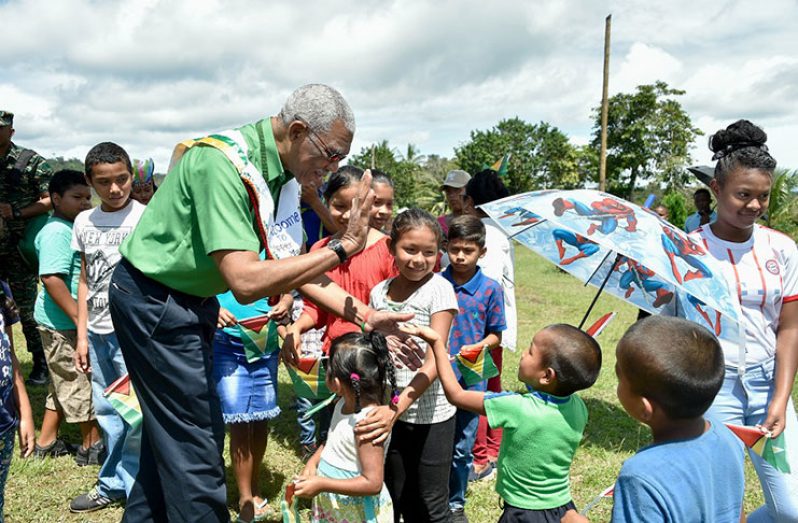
[{"x": 741, "y": 133}]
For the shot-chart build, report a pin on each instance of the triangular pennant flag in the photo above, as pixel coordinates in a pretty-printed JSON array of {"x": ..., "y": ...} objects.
[
  {"x": 259, "y": 337},
  {"x": 501, "y": 165},
  {"x": 476, "y": 365},
  {"x": 772, "y": 450},
  {"x": 598, "y": 327},
  {"x": 308, "y": 378},
  {"x": 122, "y": 397},
  {"x": 288, "y": 506}
]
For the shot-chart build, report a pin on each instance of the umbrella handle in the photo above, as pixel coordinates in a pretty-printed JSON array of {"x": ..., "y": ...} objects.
[{"x": 601, "y": 288}]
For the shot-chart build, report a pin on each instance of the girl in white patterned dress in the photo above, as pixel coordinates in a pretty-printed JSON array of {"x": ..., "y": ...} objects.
[{"x": 345, "y": 476}]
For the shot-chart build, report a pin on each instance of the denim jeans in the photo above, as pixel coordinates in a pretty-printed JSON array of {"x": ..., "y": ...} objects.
[
  {"x": 744, "y": 401},
  {"x": 118, "y": 472},
  {"x": 465, "y": 433},
  {"x": 307, "y": 428}
]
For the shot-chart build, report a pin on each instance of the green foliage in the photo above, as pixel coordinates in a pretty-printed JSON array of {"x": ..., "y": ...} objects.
[
  {"x": 676, "y": 204},
  {"x": 783, "y": 207},
  {"x": 60, "y": 163},
  {"x": 416, "y": 178},
  {"x": 542, "y": 157},
  {"x": 648, "y": 136}
]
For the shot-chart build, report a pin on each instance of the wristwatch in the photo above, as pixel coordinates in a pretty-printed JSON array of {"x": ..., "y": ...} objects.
[
  {"x": 16, "y": 213},
  {"x": 338, "y": 248}
]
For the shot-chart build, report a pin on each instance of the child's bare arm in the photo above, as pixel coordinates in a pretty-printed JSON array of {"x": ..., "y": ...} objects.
[
  {"x": 81, "y": 355},
  {"x": 292, "y": 339},
  {"x": 369, "y": 483},
  {"x": 58, "y": 291},
  {"x": 26, "y": 429},
  {"x": 473, "y": 401}
]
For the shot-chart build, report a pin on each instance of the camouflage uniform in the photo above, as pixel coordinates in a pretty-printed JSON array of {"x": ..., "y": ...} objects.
[{"x": 21, "y": 191}]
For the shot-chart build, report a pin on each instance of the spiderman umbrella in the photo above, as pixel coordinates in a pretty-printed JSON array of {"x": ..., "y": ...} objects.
[{"x": 622, "y": 249}]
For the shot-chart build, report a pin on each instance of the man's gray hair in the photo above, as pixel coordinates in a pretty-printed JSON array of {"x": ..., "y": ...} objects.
[{"x": 320, "y": 106}]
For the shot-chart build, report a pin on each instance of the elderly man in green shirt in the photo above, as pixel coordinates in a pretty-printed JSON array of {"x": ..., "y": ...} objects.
[{"x": 227, "y": 197}]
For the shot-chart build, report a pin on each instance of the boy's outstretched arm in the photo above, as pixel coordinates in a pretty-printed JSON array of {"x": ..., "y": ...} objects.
[
  {"x": 470, "y": 400},
  {"x": 81, "y": 355}
]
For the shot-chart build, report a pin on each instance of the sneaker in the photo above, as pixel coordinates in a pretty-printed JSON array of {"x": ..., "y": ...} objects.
[
  {"x": 90, "y": 502},
  {"x": 38, "y": 375},
  {"x": 308, "y": 449},
  {"x": 94, "y": 455},
  {"x": 458, "y": 515},
  {"x": 53, "y": 450},
  {"x": 478, "y": 473}
]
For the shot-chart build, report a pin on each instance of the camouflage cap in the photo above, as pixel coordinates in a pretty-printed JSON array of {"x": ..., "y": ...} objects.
[{"x": 6, "y": 118}]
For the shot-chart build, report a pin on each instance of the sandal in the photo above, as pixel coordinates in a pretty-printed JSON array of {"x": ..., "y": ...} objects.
[{"x": 262, "y": 512}]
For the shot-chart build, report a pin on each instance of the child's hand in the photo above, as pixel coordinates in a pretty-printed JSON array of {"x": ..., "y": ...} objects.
[
  {"x": 225, "y": 319},
  {"x": 427, "y": 334},
  {"x": 81, "y": 356},
  {"x": 291, "y": 344},
  {"x": 573, "y": 516},
  {"x": 307, "y": 486},
  {"x": 281, "y": 313},
  {"x": 27, "y": 436}
]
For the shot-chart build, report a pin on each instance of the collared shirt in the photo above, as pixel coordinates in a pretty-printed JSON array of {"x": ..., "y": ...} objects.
[
  {"x": 693, "y": 221},
  {"x": 203, "y": 207},
  {"x": 481, "y": 302}
]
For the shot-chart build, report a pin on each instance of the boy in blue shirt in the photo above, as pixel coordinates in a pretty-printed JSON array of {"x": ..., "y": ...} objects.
[
  {"x": 56, "y": 311},
  {"x": 479, "y": 324},
  {"x": 669, "y": 371}
]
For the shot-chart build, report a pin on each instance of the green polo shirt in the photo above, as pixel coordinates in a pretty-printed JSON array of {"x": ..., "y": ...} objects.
[{"x": 202, "y": 207}]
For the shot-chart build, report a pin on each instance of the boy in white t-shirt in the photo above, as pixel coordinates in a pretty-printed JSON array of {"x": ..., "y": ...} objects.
[{"x": 97, "y": 235}]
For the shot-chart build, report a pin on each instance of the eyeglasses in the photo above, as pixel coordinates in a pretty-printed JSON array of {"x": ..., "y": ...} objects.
[{"x": 332, "y": 156}]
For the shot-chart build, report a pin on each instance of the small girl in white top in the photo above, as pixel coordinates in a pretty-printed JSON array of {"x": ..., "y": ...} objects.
[{"x": 345, "y": 476}]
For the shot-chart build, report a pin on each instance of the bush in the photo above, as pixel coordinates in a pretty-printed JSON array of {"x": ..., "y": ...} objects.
[{"x": 677, "y": 208}]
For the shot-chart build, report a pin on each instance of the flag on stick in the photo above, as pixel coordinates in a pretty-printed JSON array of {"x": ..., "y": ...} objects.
[
  {"x": 606, "y": 493},
  {"x": 122, "y": 397},
  {"x": 598, "y": 327},
  {"x": 476, "y": 365},
  {"x": 288, "y": 506},
  {"x": 308, "y": 378},
  {"x": 259, "y": 337},
  {"x": 771, "y": 449}
]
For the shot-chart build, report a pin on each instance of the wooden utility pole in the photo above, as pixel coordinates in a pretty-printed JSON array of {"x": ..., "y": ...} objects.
[
  {"x": 605, "y": 107},
  {"x": 373, "y": 166}
]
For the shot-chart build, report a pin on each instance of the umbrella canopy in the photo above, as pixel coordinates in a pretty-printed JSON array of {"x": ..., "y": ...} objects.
[
  {"x": 704, "y": 173},
  {"x": 628, "y": 251}
]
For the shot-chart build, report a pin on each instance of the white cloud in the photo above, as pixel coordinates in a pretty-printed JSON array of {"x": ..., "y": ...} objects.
[{"x": 147, "y": 73}]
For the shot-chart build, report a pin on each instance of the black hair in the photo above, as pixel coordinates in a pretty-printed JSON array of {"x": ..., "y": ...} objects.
[
  {"x": 378, "y": 176},
  {"x": 64, "y": 180},
  {"x": 702, "y": 190},
  {"x": 741, "y": 144},
  {"x": 415, "y": 218},
  {"x": 676, "y": 363},
  {"x": 486, "y": 186},
  {"x": 343, "y": 177},
  {"x": 363, "y": 362},
  {"x": 575, "y": 357},
  {"x": 106, "y": 152},
  {"x": 468, "y": 228}
]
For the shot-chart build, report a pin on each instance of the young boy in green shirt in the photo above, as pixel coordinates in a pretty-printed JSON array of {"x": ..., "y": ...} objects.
[
  {"x": 56, "y": 311},
  {"x": 542, "y": 428}
]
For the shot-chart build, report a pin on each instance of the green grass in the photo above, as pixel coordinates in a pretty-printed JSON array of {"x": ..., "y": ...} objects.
[{"x": 39, "y": 491}]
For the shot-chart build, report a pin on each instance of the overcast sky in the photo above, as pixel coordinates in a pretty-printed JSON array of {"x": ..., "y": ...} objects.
[{"x": 147, "y": 73}]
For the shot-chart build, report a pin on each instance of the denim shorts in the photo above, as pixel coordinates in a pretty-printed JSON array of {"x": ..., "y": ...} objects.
[{"x": 248, "y": 391}]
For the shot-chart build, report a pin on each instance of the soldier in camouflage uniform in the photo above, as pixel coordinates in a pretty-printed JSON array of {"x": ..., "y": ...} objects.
[{"x": 24, "y": 178}]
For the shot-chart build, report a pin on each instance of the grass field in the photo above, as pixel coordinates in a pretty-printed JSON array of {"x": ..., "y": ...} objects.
[{"x": 39, "y": 491}]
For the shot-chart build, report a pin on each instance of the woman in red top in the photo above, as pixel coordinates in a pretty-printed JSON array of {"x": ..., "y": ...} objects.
[{"x": 357, "y": 275}]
